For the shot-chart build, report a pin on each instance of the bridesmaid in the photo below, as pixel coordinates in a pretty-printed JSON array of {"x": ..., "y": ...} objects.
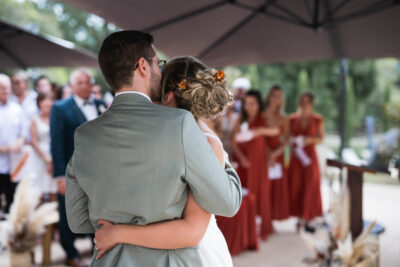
[
  {"x": 306, "y": 131},
  {"x": 274, "y": 117},
  {"x": 228, "y": 120},
  {"x": 251, "y": 156}
]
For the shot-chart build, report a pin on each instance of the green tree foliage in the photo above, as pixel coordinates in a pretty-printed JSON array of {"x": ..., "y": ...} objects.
[
  {"x": 28, "y": 15},
  {"x": 371, "y": 84},
  {"x": 323, "y": 79}
]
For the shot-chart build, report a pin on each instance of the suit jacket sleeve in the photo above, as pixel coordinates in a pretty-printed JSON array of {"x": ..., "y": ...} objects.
[
  {"x": 58, "y": 140},
  {"x": 76, "y": 203},
  {"x": 216, "y": 190}
]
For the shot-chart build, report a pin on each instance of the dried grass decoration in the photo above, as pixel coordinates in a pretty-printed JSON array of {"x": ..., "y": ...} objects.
[
  {"x": 26, "y": 222},
  {"x": 332, "y": 243}
]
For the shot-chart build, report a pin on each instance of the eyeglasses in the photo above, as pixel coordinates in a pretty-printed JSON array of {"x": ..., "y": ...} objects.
[{"x": 161, "y": 63}]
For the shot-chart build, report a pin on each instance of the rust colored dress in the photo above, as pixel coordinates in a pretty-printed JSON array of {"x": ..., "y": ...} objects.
[
  {"x": 279, "y": 187},
  {"x": 240, "y": 231},
  {"x": 304, "y": 182},
  {"x": 255, "y": 177}
]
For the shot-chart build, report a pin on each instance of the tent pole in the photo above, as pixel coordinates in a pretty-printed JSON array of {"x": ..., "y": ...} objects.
[{"x": 343, "y": 102}]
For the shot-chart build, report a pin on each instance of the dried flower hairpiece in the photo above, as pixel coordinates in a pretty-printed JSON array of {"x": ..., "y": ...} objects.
[
  {"x": 182, "y": 84},
  {"x": 219, "y": 76}
]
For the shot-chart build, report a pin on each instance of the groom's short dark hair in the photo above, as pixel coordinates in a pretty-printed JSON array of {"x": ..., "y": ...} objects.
[{"x": 119, "y": 54}]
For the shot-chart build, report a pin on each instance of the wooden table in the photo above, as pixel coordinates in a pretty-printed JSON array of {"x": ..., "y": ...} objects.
[{"x": 355, "y": 184}]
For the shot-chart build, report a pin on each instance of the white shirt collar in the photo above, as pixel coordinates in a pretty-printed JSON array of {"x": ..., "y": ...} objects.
[
  {"x": 80, "y": 101},
  {"x": 31, "y": 95},
  {"x": 134, "y": 92}
]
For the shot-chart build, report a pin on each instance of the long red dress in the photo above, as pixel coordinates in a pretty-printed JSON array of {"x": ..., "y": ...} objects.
[
  {"x": 304, "y": 182},
  {"x": 279, "y": 187},
  {"x": 240, "y": 231},
  {"x": 255, "y": 177}
]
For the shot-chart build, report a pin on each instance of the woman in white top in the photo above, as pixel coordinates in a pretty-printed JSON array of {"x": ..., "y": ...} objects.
[{"x": 40, "y": 134}]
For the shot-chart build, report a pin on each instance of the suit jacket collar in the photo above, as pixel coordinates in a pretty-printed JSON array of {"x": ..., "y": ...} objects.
[
  {"x": 127, "y": 99},
  {"x": 78, "y": 112}
]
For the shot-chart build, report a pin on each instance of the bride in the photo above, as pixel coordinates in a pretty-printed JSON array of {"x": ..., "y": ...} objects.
[{"x": 187, "y": 84}]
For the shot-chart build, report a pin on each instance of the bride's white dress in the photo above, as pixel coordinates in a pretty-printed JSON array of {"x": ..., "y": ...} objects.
[{"x": 213, "y": 248}]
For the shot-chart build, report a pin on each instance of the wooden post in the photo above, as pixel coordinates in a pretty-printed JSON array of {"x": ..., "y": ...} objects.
[
  {"x": 46, "y": 244},
  {"x": 355, "y": 184}
]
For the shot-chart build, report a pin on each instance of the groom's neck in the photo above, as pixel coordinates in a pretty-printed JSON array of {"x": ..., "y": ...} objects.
[{"x": 133, "y": 89}]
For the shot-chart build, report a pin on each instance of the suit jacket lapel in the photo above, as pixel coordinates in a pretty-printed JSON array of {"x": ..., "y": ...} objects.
[{"x": 79, "y": 114}]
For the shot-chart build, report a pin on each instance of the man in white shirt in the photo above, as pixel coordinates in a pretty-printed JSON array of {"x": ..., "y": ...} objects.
[
  {"x": 66, "y": 116},
  {"x": 12, "y": 137},
  {"x": 43, "y": 85},
  {"x": 23, "y": 95}
]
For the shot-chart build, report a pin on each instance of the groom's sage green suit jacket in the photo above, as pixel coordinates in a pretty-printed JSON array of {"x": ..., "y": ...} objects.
[{"x": 134, "y": 165}]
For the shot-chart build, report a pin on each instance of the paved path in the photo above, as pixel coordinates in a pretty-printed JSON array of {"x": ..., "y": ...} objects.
[{"x": 286, "y": 248}]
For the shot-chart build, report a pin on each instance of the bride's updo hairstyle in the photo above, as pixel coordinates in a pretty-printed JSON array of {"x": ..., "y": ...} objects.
[{"x": 197, "y": 88}]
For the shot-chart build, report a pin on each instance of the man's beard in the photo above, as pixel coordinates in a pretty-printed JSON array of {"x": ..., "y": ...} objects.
[{"x": 155, "y": 87}]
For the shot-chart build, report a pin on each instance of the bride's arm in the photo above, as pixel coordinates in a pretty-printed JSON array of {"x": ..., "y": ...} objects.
[{"x": 175, "y": 234}]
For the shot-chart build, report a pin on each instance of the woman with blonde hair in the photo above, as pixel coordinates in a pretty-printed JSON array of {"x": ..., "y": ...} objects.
[{"x": 277, "y": 174}]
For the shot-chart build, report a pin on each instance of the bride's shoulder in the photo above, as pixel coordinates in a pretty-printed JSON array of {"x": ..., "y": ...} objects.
[
  {"x": 216, "y": 145},
  {"x": 213, "y": 139}
]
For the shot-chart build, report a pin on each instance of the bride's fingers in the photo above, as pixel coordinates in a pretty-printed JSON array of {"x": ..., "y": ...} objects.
[
  {"x": 100, "y": 254},
  {"x": 104, "y": 222},
  {"x": 101, "y": 222}
]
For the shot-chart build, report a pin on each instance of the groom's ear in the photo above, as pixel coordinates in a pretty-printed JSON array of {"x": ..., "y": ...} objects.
[{"x": 143, "y": 66}]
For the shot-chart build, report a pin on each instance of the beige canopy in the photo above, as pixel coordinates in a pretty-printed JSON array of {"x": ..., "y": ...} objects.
[
  {"x": 224, "y": 32},
  {"x": 21, "y": 49}
]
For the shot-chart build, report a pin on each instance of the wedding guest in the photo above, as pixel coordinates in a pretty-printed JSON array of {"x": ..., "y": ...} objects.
[
  {"x": 274, "y": 117},
  {"x": 229, "y": 117},
  {"x": 66, "y": 92},
  {"x": 12, "y": 137},
  {"x": 306, "y": 131},
  {"x": 63, "y": 92},
  {"x": 108, "y": 98},
  {"x": 240, "y": 86},
  {"x": 97, "y": 92},
  {"x": 23, "y": 95},
  {"x": 40, "y": 141},
  {"x": 66, "y": 116},
  {"x": 43, "y": 85},
  {"x": 251, "y": 156}
]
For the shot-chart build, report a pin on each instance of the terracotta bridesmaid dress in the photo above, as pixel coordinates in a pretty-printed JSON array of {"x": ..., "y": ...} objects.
[
  {"x": 279, "y": 187},
  {"x": 255, "y": 177},
  {"x": 304, "y": 182}
]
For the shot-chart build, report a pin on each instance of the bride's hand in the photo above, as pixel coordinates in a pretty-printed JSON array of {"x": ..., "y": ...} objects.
[{"x": 105, "y": 237}]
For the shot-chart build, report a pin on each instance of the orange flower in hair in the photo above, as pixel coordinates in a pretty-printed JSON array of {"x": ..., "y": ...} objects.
[
  {"x": 182, "y": 84},
  {"x": 219, "y": 76}
]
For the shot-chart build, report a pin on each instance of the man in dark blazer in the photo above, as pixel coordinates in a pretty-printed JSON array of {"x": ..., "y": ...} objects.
[{"x": 66, "y": 116}]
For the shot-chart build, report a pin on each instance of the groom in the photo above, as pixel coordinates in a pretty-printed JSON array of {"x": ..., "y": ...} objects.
[{"x": 135, "y": 163}]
